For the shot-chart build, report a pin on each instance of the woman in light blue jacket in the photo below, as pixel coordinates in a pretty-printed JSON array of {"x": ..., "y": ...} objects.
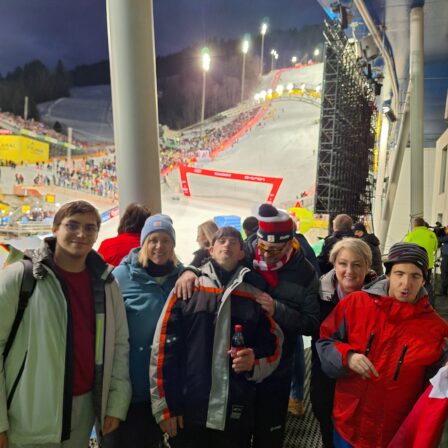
[{"x": 146, "y": 277}]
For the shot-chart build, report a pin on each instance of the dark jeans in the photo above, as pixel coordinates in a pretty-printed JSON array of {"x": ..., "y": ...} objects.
[
  {"x": 444, "y": 275},
  {"x": 197, "y": 437},
  {"x": 429, "y": 288},
  {"x": 271, "y": 407},
  {"x": 298, "y": 372},
  {"x": 322, "y": 397},
  {"x": 139, "y": 430}
]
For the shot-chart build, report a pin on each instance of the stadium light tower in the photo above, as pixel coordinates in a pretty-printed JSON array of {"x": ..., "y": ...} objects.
[
  {"x": 205, "y": 68},
  {"x": 316, "y": 53},
  {"x": 263, "y": 29},
  {"x": 294, "y": 60},
  {"x": 245, "y": 49}
]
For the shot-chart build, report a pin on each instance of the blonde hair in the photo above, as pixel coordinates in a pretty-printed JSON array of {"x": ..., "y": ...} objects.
[
  {"x": 208, "y": 228},
  {"x": 143, "y": 255},
  {"x": 355, "y": 245}
]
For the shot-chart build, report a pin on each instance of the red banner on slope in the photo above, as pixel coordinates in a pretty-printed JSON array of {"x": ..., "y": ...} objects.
[{"x": 274, "y": 181}]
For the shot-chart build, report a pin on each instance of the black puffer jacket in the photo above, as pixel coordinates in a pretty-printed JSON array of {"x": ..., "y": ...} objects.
[
  {"x": 374, "y": 244},
  {"x": 329, "y": 242},
  {"x": 297, "y": 306}
]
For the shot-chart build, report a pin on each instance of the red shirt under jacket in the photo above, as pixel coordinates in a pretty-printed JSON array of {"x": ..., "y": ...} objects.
[
  {"x": 79, "y": 288},
  {"x": 113, "y": 250}
]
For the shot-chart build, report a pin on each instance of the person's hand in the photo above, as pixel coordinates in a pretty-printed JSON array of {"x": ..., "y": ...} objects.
[
  {"x": 4, "y": 440},
  {"x": 171, "y": 425},
  {"x": 244, "y": 360},
  {"x": 110, "y": 424},
  {"x": 362, "y": 365},
  {"x": 266, "y": 302},
  {"x": 185, "y": 284}
]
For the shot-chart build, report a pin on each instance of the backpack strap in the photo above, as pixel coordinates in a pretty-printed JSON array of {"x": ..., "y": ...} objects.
[{"x": 26, "y": 290}]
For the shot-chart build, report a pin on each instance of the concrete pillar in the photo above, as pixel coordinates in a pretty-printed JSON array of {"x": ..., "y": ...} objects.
[
  {"x": 416, "y": 110},
  {"x": 134, "y": 101},
  {"x": 382, "y": 157},
  {"x": 394, "y": 177}
]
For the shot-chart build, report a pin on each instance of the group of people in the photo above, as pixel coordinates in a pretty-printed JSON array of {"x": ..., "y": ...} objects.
[{"x": 204, "y": 354}]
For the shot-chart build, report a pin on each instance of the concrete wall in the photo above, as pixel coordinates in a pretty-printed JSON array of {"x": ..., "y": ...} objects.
[{"x": 400, "y": 220}]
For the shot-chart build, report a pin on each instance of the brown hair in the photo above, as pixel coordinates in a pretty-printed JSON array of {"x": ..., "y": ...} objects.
[
  {"x": 342, "y": 222},
  {"x": 133, "y": 218},
  {"x": 73, "y": 208},
  {"x": 230, "y": 232}
]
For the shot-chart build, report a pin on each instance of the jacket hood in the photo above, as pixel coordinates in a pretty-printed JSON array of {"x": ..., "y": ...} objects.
[
  {"x": 208, "y": 270},
  {"x": 44, "y": 256},
  {"x": 327, "y": 286},
  {"x": 371, "y": 239},
  {"x": 328, "y": 282}
]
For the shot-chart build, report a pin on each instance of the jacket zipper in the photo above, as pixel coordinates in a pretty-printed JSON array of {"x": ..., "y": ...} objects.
[
  {"x": 369, "y": 344},
  {"x": 400, "y": 362},
  {"x": 16, "y": 382}
]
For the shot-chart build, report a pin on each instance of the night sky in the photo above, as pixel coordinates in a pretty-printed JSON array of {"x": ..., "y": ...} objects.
[{"x": 75, "y": 31}]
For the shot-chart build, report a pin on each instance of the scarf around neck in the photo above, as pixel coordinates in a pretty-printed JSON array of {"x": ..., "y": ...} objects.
[{"x": 269, "y": 271}]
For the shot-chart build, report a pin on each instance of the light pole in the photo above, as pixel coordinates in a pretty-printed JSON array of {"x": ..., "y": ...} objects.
[
  {"x": 205, "y": 68},
  {"x": 263, "y": 29},
  {"x": 294, "y": 60},
  {"x": 274, "y": 55},
  {"x": 245, "y": 49},
  {"x": 316, "y": 54}
]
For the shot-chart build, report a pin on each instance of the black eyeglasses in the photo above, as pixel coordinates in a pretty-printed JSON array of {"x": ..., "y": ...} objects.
[{"x": 75, "y": 227}]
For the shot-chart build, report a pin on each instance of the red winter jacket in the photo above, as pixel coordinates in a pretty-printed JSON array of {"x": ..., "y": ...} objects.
[
  {"x": 402, "y": 340},
  {"x": 115, "y": 249}
]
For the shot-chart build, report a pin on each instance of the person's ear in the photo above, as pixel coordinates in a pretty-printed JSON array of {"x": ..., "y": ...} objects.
[{"x": 210, "y": 249}]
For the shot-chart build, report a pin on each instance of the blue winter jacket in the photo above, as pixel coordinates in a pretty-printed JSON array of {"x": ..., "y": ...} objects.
[{"x": 144, "y": 300}]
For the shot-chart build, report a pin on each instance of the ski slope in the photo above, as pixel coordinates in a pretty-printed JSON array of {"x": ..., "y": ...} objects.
[{"x": 284, "y": 144}]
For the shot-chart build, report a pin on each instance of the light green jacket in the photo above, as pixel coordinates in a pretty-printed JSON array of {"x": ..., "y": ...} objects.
[
  {"x": 425, "y": 238},
  {"x": 37, "y": 360}
]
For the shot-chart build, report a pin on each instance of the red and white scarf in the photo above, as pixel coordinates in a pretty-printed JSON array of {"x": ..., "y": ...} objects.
[{"x": 269, "y": 271}]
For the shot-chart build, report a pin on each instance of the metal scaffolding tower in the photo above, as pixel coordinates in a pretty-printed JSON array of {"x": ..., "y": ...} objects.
[{"x": 344, "y": 181}]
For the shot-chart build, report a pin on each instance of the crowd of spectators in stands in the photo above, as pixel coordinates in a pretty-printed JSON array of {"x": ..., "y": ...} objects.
[
  {"x": 36, "y": 126},
  {"x": 216, "y": 136},
  {"x": 101, "y": 180}
]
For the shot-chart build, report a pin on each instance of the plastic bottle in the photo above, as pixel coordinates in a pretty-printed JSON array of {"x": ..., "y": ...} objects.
[{"x": 237, "y": 341}]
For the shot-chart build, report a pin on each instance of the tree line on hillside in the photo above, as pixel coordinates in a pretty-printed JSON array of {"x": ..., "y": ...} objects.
[
  {"x": 36, "y": 81},
  {"x": 179, "y": 77}
]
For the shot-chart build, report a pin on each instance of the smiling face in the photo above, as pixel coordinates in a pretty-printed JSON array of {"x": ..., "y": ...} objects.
[
  {"x": 160, "y": 247},
  {"x": 351, "y": 270},
  {"x": 405, "y": 281},
  {"x": 75, "y": 237}
]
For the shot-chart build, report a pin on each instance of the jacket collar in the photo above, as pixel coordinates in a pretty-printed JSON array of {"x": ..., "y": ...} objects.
[
  {"x": 137, "y": 271},
  {"x": 44, "y": 256},
  {"x": 208, "y": 270}
]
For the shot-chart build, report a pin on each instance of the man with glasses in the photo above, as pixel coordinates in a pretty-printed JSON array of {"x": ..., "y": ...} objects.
[
  {"x": 291, "y": 298},
  {"x": 194, "y": 381},
  {"x": 68, "y": 363}
]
